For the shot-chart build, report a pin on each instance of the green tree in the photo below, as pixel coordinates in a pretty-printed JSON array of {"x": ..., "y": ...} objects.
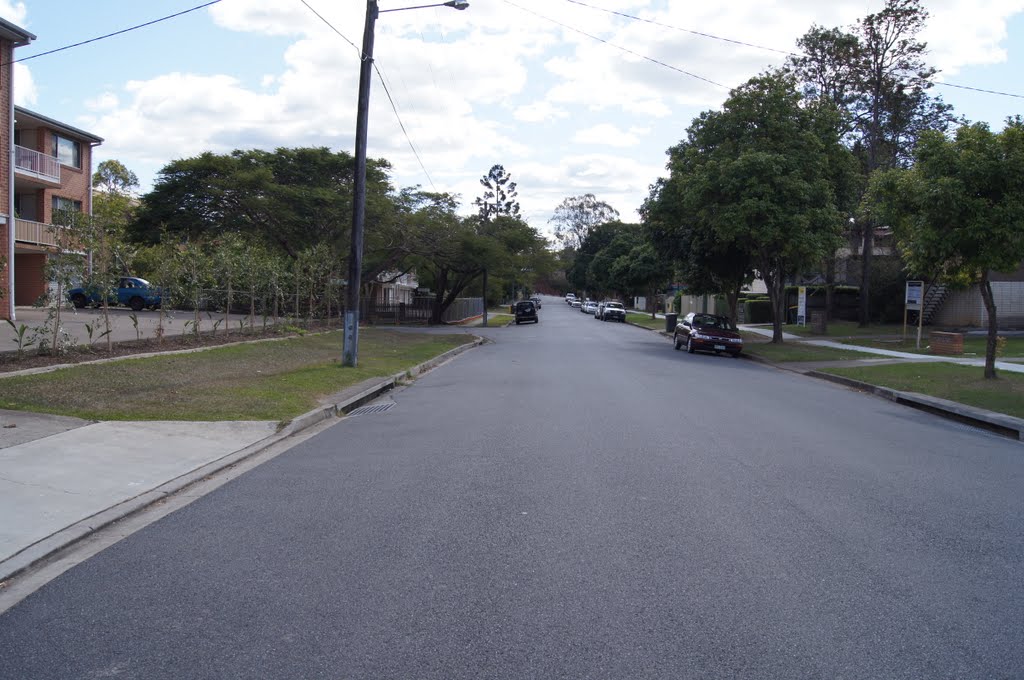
[
  {"x": 576, "y": 216},
  {"x": 756, "y": 179},
  {"x": 876, "y": 75},
  {"x": 959, "y": 212},
  {"x": 500, "y": 194}
]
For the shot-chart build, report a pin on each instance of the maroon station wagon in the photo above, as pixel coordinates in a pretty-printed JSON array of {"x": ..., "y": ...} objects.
[{"x": 708, "y": 333}]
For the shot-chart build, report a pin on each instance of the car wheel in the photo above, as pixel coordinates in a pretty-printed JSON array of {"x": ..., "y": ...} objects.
[
  {"x": 678, "y": 345},
  {"x": 78, "y": 300},
  {"x": 689, "y": 346},
  {"x": 137, "y": 304},
  {"x": 735, "y": 355}
]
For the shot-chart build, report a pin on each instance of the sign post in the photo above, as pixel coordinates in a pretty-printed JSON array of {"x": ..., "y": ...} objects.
[
  {"x": 913, "y": 300},
  {"x": 801, "y": 306}
]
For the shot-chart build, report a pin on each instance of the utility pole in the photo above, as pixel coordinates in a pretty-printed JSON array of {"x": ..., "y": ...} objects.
[{"x": 350, "y": 352}]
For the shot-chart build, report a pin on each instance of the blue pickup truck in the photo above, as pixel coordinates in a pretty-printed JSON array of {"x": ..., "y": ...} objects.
[{"x": 131, "y": 292}]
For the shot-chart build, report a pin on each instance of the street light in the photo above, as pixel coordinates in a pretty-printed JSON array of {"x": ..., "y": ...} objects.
[{"x": 350, "y": 352}]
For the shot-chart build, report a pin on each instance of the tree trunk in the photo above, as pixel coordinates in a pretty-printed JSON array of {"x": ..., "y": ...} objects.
[
  {"x": 732, "y": 298},
  {"x": 776, "y": 297},
  {"x": 55, "y": 345},
  {"x": 864, "y": 312},
  {"x": 252, "y": 308},
  {"x": 106, "y": 322},
  {"x": 227, "y": 311},
  {"x": 993, "y": 326},
  {"x": 830, "y": 286}
]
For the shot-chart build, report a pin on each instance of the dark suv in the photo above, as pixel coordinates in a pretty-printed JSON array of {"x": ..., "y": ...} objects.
[{"x": 526, "y": 311}]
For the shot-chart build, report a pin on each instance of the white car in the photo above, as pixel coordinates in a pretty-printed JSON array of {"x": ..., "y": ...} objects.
[
  {"x": 575, "y": 303},
  {"x": 570, "y": 298},
  {"x": 611, "y": 311},
  {"x": 589, "y": 307}
]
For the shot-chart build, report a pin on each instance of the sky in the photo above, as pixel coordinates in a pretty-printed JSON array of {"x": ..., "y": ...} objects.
[{"x": 566, "y": 96}]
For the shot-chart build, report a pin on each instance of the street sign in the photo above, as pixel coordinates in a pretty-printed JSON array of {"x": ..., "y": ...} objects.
[
  {"x": 915, "y": 295},
  {"x": 801, "y": 306}
]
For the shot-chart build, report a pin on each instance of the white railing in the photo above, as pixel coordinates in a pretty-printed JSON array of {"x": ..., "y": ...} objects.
[
  {"x": 36, "y": 163},
  {"x": 39, "y": 233}
]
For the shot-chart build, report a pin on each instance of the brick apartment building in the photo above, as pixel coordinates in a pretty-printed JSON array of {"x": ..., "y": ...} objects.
[{"x": 45, "y": 166}]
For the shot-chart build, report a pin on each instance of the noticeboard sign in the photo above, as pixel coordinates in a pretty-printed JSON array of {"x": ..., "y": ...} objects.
[
  {"x": 801, "y": 306},
  {"x": 915, "y": 295}
]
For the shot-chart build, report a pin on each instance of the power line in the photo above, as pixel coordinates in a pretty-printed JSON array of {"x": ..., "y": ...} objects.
[
  {"x": 618, "y": 47},
  {"x": 402, "y": 125},
  {"x": 331, "y": 26},
  {"x": 380, "y": 76},
  {"x": 110, "y": 35},
  {"x": 762, "y": 47},
  {"x": 684, "y": 30}
]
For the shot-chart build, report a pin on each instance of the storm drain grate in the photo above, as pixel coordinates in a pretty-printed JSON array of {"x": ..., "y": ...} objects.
[{"x": 372, "y": 408}]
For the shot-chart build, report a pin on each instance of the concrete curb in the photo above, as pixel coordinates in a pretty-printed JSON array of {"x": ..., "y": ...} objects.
[
  {"x": 1001, "y": 424},
  {"x": 54, "y": 543}
]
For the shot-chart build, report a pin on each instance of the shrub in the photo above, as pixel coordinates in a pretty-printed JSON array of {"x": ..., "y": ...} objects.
[{"x": 757, "y": 311}]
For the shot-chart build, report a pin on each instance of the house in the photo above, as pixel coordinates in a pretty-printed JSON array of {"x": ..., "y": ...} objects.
[
  {"x": 393, "y": 288},
  {"x": 49, "y": 169}
]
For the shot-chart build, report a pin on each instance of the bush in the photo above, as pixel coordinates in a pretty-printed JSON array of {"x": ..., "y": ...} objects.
[{"x": 757, "y": 311}]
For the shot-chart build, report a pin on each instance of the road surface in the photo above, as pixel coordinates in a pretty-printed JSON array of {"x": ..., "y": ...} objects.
[{"x": 574, "y": 500}]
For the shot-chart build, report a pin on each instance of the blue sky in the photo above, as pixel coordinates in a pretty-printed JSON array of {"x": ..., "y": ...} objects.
[{"x": 564, "y": 113}]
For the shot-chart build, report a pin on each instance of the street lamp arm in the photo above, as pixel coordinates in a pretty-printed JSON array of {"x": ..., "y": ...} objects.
[{"x": 454, "y": 4}]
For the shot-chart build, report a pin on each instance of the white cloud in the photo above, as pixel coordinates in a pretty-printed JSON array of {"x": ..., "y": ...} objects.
[
  {"x": 14, "y": 12},
  {"x": 539, "y": 112},
  {"x": 25, "y": 92},
  {"x": 494, "y": 84},
  {"x": 605, "y": 134}
]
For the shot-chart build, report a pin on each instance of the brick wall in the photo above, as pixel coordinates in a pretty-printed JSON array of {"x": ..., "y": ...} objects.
[
  {"x": 6, "y": 231},
  {"x": 29, "y": 279}
]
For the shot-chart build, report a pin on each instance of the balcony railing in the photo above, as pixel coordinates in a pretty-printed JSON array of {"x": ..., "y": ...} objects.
[
  {"x": 37, "y": 164},
  {"x": 39, "y": 233}
]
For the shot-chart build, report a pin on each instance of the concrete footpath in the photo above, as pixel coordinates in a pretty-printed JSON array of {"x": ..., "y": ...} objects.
[{"x": 62, "y": 479}]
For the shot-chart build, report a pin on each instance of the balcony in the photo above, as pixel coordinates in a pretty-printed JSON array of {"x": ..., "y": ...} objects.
[
  {"x": 35, "y": 164},
  {"x": 37, "y": 233}
]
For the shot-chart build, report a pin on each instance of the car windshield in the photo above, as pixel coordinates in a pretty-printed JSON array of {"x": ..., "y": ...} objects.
[
  {"x": 708, "y": 321},
  {"x": 525, "y": 306},
  {"x": 612, "y": 305}
]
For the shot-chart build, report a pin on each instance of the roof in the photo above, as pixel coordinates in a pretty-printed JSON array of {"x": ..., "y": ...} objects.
[
  {"x": 22, "y": 115},
  {"x": 16, "y": 34}
]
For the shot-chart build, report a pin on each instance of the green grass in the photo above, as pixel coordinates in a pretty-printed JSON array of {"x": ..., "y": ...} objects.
[
  {"x": 963, "y": 384},
  {"x": 845, "y": 329},
  {"x": 973, "y": 345},
  {"x": 645, "y": 320},
  {"x": 759, "y": 345},
  {"x": 255, "y": 381},
  {"x": 498, "y": 319}
]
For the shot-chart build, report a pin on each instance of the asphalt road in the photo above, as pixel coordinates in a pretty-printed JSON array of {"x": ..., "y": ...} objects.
[{"x": 575, "y": 500}]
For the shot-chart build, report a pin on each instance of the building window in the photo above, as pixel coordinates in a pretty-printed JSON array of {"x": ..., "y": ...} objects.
[
  {"x": 67, "y": 151},
  {"x": 60, "y": 203}
]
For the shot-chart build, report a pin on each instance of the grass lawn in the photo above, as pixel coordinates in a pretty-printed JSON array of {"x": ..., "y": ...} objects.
[
  {"x": 497, "y": 319},
  {"x": 257, "y": 381},
  {"x": 973, "y": 345},
  {"x": 963, "y": 384},
  {"x": 845, "y": 329},
  {"x": 760, "y": 346},
  {"x": 645, "y": 320}
]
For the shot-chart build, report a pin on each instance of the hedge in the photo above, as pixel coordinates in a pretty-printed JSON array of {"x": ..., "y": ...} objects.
[{"x": 757, "y": 311}]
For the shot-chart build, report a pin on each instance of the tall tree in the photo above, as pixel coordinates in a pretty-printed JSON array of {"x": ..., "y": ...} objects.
[
  {"x": 755, "y": 179},
  {"x": 576, "y": 216},
  {"x": 959, "y": 212},
  {"x": 877, "y": 75},
  {"x": 500, "y": 195}
]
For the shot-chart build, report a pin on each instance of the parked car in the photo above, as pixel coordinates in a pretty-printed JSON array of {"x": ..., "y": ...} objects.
[
  {"x": 131, "y": 291},
  {"x": 575, "y": 303},
  {"x": 589, "y": 307},
  {"x": 536, "y": 300},
  {"x": 526, "y": 311},
  {"x": 707, "y": 333},
  {"x": 611, "y": 311},
  {"x": 570, "y": 298}
]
